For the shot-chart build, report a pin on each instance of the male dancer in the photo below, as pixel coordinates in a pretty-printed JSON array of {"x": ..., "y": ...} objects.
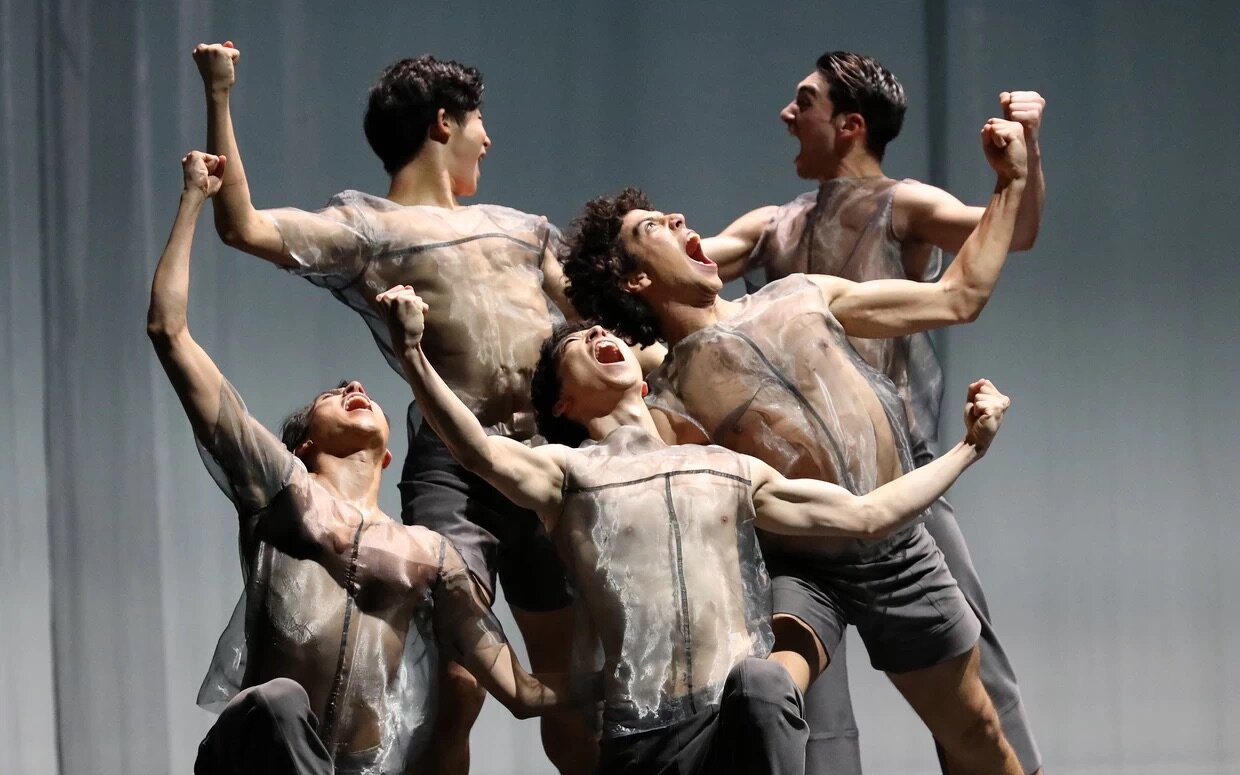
[
  {"x": 775, "y": 377},
  {"x": 488, "y": 270},
  {"x": 325, "y": 654},
  {"x": 661, "y": 546},
  {"x": 862, "y": 225}
]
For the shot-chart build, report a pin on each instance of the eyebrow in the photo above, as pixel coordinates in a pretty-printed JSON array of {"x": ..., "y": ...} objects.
[
  {"x": 635, "y": 231},
  {"x": 809, "y": 89}
]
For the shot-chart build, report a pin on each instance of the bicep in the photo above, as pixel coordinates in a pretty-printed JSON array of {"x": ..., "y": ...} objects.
[
  {"x": 885, "y": 308},
  {"x": 336, "y": 240},
  {"x": 530, "y": 477},
  {"x": 803, "y": 506},
  {"x": 931, "y": 215}
]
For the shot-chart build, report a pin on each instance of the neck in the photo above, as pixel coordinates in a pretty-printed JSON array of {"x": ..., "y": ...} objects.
[
  {"x": 354, "y": 478},
  {"x": 678, "y": 319},
  {"x": 629, "y": 411},
  {"x": 424, "y": 181},
  {"x": 856, "y": 163}
]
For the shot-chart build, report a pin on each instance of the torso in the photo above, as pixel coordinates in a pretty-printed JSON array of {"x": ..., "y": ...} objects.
[
  {"x": 662, "y": 550},
  {"x": 780, "y": 381}
]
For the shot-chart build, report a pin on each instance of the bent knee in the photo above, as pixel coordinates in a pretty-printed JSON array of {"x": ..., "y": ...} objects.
[
  {"x": 761, "y": 686},
  {"x": 283, "y": 699}
]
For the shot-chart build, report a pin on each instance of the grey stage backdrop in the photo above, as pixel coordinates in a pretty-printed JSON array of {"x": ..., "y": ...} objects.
[{"x": 1104, "y": 523}]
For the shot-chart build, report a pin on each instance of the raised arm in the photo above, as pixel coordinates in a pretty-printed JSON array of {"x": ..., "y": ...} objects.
[
  {"x": 730, "y": 248},
  {"x": 193, "y": 374},
  {"x": 238, "y": 222},
  {"x": 529, "y": 477},
  {"x": 932, "y": 215},
  {"x": 471, "y": 635},
  {"x": 883, "y": 308},
  {"x": 812, "y": 507},
  {"x": 333, "y": 241}
]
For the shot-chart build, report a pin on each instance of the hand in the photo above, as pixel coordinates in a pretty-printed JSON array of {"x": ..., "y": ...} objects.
[
  {"x": 204, "y": 173},
  {"x": 405, "y": 313},
  {"x": 1003, "y": 142},
  {"x": 1025, "y": 108},
  {"x": 983, "y": 414},
  {"x": 217, "y": 64}
]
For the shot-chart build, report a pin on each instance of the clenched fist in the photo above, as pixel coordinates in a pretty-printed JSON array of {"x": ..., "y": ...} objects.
[
  {"x": 217, "y": 64},
  {"x": 1025, "y": 108},
  {"x": 1003, "y": 142},
  {"x": 405, "y": 313},
  {"x": 983, "y": 413},
  {"x": 203, "y": 173}
]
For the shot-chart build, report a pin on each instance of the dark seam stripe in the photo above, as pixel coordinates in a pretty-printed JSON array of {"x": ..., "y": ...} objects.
[
  {"x": 836, "y": 454},
  {"x": 710, "y": 471},
  {"x": 329, "y": 714},
  {"x": 686, "y": 632},
  {"x": 411, "y": 251}
]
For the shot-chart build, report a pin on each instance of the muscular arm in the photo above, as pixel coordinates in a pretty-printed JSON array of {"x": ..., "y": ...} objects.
[
  {"x": 730, "y": 248},
  {"x": 327, "y": 242},
  {"x": 530, "y": 477},
  {"x": 811, "y": 507},
  {"x": 929, "y": 214},
  {"x": 884, "y": 308},
  {"x": 193, "y": 374},
  {"x": 524, "y": 694}
]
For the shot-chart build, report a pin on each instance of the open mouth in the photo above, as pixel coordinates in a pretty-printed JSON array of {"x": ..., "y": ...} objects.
[
  {"x": 355, "y": 402},
  {"x": 607, "y": 351},
  {"x": 694, "y": 248}
]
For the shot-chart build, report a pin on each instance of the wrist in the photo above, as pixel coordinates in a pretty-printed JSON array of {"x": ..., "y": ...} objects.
[
  {"x": 192, "y": 197},
  {"x": 217, "y": 92}
]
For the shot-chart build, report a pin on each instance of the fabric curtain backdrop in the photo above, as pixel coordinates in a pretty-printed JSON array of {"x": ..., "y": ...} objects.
[{"x": 1101, "y": 523}]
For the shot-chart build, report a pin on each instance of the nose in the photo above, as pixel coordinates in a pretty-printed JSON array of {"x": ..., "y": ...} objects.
[
  {"x": 486, "y": 141},
  {"x": 675, "y": 221},
  {"x": 354, "y": 387},
  {"x": 788, "y": 114},
  {"x": 595, "y": 332}
]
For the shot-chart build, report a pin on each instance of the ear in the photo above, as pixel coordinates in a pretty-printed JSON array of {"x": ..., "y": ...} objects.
[
  {"x": 440, "y": 129},
  {"x": 645, "y": 390},
  {"x": 562, "y": 406},
  {"x": 853, "y": 125},
  {"x": 303, "y": 449},
  {"x": 387, "y": 459},
  {"x": 637, "y": 283}
]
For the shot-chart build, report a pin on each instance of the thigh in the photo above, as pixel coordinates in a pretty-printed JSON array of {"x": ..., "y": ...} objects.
[{"x": 949, "y": 697}]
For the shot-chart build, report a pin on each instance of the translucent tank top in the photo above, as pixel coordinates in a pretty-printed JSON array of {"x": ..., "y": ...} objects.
[
  {"x": 348, "y": 608},
  {"x": 781, "y": 382},
  {"x": 479, "y": 268},
  {"x": 671, "y": 585},
  {"x": 844, "y": 229}
]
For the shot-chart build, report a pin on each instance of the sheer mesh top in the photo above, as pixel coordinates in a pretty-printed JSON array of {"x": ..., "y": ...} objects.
[
  {"x": 477, "y": 267},
  {"x": 844, "y": 229},
  {"x": 343, "y": 603},
  {"x": 668, "y": 572},
  {"x": 781, "y": 382}
]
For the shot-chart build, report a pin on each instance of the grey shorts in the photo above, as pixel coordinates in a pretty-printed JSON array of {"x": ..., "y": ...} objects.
[
  {"x": 495, "y": 537},
  {"x": 899, "y": 593}
]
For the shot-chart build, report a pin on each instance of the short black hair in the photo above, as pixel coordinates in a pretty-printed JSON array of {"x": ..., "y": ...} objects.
[
  {"x": 405, "y": 100},
  {"x": 545, "y": 388},
  {"x": 296, "y": 426},
  {"x": 596, "y": 266},
  {"x": 859, "y": 84}
]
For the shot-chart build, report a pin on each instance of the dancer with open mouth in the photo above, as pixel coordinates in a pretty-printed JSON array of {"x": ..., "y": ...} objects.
[
  {"x": 660, "y": 543},
  {"x": 773, "y": 375}
]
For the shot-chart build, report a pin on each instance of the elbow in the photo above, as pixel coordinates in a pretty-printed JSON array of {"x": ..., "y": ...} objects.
[
  {"x": 1024, "y": 242},
  {"x": 520, "y": 710},
  {"x": 967, "y": 304},
  {"x": 873, "y": 524},
  {"x": 162, "y": 333}
]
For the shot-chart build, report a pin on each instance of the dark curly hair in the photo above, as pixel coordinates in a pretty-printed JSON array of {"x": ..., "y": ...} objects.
[
  {"x": 859, "y": 84},
  {"x": 596, "y": 265},
  {"x": 295, "y": 427},
  {"x": 407, "y": 97},
  {"x": 545, "y": 388}
]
